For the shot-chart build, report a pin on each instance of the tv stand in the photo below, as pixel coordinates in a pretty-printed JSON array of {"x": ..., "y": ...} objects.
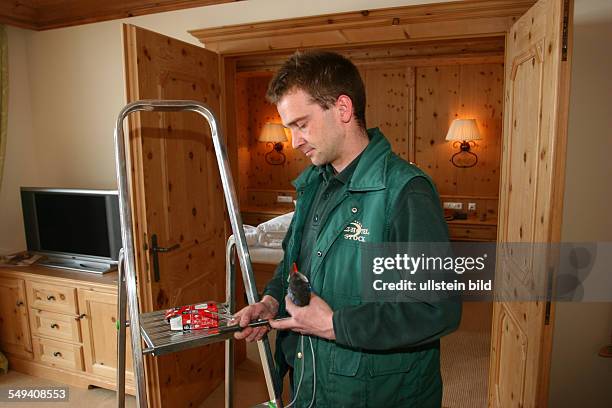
[{"x": 61, "y": 325}]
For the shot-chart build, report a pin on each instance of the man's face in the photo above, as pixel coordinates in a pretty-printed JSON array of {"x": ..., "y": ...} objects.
[{"x": 316, "y": 132}]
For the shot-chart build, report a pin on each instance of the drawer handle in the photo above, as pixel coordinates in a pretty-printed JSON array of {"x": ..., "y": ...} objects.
[
  {"x": 80, "y": 317},
  {"x": 57, "y": 354},
  {"x": 51, "y": 297},
  {"x": 55, "y": 326},
  {"x": 19, "y": 303}
]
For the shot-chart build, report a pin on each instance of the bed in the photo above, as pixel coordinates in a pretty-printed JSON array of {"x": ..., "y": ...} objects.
[{"x": 265, "y": 247}]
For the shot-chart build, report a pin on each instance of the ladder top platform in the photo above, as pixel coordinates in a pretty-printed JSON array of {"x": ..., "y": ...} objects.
[{"x": 160, "y": 340}]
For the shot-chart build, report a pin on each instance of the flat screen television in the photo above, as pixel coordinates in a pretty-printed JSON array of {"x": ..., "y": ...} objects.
[{"x": 74, "y": 229}]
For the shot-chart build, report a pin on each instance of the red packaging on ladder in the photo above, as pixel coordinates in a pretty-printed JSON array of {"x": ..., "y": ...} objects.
[{"x": 193, "y": 317}]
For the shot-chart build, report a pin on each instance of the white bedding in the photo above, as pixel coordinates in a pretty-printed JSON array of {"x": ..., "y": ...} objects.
[
  {"x": 266, "y": 255},
  {"x": 265, "y": 240}
]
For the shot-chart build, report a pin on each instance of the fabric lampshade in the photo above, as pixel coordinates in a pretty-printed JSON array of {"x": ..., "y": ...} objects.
[
  {"x": 273, "y": 132},
  {"x": 463, "y": 130}
]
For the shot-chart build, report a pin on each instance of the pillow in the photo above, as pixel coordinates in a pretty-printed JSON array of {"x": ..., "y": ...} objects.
[
  {"x": 277, "y": 224},
  {"x": 251, "y": 234},
  {"x": 272, "y": 232}
]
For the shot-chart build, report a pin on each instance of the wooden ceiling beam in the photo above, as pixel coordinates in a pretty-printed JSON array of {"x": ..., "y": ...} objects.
[
  {"x": 478, "y": 49},
  {"x": 467, "y": 19},
  {"x": 20, "y": 13},
  {"x": 48, "y": 14}
]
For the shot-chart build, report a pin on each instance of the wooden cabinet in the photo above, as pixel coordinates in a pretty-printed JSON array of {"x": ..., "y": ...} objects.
[
  {"x": 58, "y": 353},
  {"x": 49, "y": 296},
  {"x": 472, "y": 230},
  {"x": 14, "y": 328},
  {"x": 99, "y": 329},
  {"x": 61, "y": 325}
]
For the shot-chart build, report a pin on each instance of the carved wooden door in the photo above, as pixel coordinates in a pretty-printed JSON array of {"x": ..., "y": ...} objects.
[
  {"x": 178, "y": 203},
  {"x": 531, "y": 201}
]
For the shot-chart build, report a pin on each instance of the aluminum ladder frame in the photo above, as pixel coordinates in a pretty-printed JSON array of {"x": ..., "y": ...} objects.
[{"x": 128, "y": 293}]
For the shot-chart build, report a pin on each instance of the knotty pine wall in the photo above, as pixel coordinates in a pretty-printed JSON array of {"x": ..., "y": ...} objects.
[{"x": 413, "y": 106}]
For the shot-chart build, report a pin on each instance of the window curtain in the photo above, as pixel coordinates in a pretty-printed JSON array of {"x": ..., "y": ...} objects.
[{"x": 3, "y": 96}]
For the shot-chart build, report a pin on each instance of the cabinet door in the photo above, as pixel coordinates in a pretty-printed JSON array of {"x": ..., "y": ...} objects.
[
  {"x": 99, "y": 331},
  {"x": 14, "y": 329}
]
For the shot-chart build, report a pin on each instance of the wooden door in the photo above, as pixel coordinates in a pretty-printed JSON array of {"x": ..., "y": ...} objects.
[
  {"x": 178, "y": 197},
  {"x": 99, "y": 331},
  {"x": 14, "y": 328},
  {"x": 531, "y": 200}
]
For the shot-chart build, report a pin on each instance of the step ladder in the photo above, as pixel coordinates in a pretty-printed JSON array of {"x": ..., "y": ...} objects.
[{"x": 151, "y": 328}]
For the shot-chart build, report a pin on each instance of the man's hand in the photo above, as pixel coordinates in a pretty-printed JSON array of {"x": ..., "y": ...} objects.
[
  {"x": 266, "y": 308},
  {"x": 315, "y": 319}
]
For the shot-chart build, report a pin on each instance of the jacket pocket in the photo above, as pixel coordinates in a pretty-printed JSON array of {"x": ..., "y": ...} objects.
[
  {"x": 344, "y": 361},
  {"x": 391, "y": 363}
]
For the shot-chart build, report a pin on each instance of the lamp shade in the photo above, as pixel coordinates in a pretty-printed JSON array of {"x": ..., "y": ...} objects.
[
  {"x": 463, "y": 130},
  {"x": 273, "y": 132}
]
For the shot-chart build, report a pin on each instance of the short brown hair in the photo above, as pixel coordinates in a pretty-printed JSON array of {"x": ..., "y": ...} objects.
[{"x": 324, "y": 76}]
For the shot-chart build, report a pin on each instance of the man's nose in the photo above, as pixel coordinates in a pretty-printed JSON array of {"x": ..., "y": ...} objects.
[{"x": 296, "y": 139}]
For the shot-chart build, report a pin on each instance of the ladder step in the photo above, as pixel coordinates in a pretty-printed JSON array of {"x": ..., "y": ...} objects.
[{"x": 161, "y": 340}]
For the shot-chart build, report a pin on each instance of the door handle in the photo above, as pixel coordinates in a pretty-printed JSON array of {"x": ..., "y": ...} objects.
[{"x": 155, "y": 249}]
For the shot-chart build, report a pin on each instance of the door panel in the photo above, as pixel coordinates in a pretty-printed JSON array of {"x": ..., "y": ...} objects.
[
  {"x": 531, "y": 202},
  {"x": 177, "y": 196}
]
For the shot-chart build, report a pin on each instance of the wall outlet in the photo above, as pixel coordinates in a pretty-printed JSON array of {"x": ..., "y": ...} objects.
[
  {"x": 284, "y": 199},
  {"x": 471, "y": 206},
  {"x": 453, "y": 206}
]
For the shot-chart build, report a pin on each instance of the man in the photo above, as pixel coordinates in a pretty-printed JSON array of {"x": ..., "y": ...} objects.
[{"x": 346, "y": 352}]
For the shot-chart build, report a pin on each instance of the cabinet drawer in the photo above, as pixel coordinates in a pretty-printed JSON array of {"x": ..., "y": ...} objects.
[
  {"x": 54, "y": 298},
  {"x": 55, "y": 325},
  {"x": 472, "y": 233},
  {"x": 58, "y": 354}
]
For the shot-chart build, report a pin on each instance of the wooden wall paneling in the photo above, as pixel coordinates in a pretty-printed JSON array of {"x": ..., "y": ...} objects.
[
  {"x": 242, "y": 131},
  {"x": 230, "y": 131},
  {"x": 390, "y": 103},
  {"x": 486, "y": 206},
  {"x": 480, "y": 97},
  {"x": 261, "y": 175},
  {"x": 445, "y": 93},
  {"x": 437, "y": 96},
  {"x": 267, "y": 198},
  {"x": 227, "y": 69}
]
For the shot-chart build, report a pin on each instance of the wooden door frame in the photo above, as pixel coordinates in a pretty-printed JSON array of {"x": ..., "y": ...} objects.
[{"x": 400, "y": 25}]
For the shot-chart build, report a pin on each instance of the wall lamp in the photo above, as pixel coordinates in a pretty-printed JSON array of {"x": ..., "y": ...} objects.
[
  {"x": 274, "y": 135},
  {"x": 463, "y": 132}
]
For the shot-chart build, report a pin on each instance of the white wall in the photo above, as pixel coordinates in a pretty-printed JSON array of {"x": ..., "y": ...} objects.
[
  {"x": 21, "y": 166},
  {"x": 579, "y": 377},
  {"x": 66, "y": 87}
]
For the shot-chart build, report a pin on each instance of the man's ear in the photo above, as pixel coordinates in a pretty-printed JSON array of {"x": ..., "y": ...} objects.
[{"x": 344, "y": 104}]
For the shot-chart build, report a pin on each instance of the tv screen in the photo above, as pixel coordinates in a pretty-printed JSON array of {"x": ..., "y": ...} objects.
[{"x": 81, "y": 223}]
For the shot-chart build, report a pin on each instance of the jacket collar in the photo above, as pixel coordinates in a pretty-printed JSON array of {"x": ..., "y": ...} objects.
[{"x": 371, "y": 169}]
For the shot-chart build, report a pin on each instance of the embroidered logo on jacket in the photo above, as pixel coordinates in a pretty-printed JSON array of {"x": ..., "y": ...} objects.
[{"x": 355, "y": 232}]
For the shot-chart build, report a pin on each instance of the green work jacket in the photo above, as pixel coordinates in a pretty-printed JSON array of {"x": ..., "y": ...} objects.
[{"x": 395, "y": 371}]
